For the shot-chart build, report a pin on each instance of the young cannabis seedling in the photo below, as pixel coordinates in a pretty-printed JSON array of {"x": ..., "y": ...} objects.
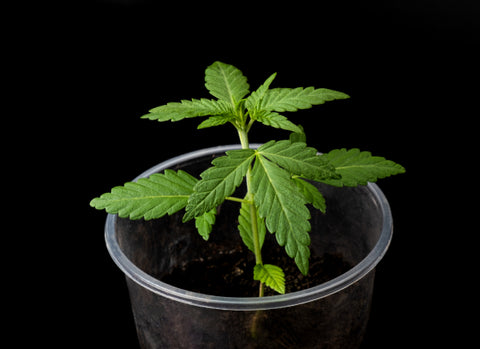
[{"x": 277, "y": 174}]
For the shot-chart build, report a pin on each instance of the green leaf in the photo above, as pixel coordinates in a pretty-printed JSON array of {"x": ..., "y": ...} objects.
[
  {"x": 298, "y": 159},
  {"x": 288, "y": 99},
  {"x": 298, "y": 136},
  {"x": 253, "y": 101},
  {"x": 245, "y": 227},
  {"x": 311, "y": 193},
  {"x": 205, "y": 222},
  {"x": 275, "y": 120},
  {"x": 359, "y": 168},
  {"x": 218, "y": 182},
  {"x": 188, "y": 109},
  {"x": 226, "y": 82},
  {"x": 270, "y": 275},
  {"x": 216, "y": 121},
  {"x": 283, "y": 206},
  {"x": 149, "y": 198}
]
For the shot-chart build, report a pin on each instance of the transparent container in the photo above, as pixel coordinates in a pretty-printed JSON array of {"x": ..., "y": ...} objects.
[{"x": 334, "y": 314}]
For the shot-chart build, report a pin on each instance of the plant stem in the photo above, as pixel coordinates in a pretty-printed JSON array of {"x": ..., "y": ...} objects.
[
  {"x": 243, "y": 134},
  {"x": 243, "y": 138},
  {"x": 232, "y": 198},
  {"x": 256, "y": 238}
]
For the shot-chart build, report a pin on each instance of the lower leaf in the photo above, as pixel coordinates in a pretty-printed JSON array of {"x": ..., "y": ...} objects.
[
  {"x": 205, "y": 222},
  {"x": 270, "y": 275}
]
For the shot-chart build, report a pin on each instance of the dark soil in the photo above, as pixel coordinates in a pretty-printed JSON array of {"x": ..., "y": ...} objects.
[{"x": 229, "y": 273}]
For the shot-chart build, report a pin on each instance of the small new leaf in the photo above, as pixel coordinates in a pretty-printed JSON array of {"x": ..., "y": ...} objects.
[
  {"x": 253, "y": 101},
  {"x": 359, "y": 167},
  {"x": 149, "y": 198},
  {"x": 270, "y": 275},
  {"x": 218, "y": 182},
  {"x": 205, "y": 222},
  {"x": 226, "y": 82}
]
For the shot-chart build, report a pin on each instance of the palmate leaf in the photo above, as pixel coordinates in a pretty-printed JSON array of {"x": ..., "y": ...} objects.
[
  {"x": 226, "y": 82},
  {"x": 149, "y": 198},
  {"x": 359, "y": 167},
  {"x": 188, "y": 109},
  {"x": 292, "y": 99},
  {"x": 218, "y": 182},
  {"x": 270, "y": 275},
  {"x": 282, "y": 205},
  {"x": 298, "y": 159}
]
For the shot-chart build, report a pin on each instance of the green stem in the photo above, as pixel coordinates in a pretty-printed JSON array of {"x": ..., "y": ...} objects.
[
  {"x": 233, "y": 198},
  {"x": 243, "y": 134},
  {"x": 256, "y": 238},
  {"x": 243, "y": 138}
]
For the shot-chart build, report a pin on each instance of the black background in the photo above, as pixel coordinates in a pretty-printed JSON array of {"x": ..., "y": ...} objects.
[{"x": 90, "y": 70}]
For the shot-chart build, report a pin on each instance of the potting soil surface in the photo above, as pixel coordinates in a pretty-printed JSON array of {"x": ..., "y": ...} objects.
[{"x": 229, "y": 273}]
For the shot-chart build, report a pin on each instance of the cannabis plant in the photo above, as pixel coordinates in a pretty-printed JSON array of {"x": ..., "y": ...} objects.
[{"x": 278, "y": 174}]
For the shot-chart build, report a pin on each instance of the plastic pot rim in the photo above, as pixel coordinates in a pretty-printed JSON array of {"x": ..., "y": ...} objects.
[{"x": 248, "y": 303}]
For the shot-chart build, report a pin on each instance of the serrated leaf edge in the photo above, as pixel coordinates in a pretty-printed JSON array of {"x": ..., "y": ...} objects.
[
  {"x": 121, "y": 199},
  {"x": 344, "y": 160}
]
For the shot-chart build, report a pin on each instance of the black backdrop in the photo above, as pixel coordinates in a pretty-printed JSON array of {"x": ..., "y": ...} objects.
[{"x": 97, "y": 67}]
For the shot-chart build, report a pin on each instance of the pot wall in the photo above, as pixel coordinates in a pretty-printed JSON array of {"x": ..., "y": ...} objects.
[{"x": 337, "y": 321}]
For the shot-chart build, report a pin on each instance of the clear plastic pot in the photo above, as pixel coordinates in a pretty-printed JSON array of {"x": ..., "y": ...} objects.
[{"x": 334, "y": 314}]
